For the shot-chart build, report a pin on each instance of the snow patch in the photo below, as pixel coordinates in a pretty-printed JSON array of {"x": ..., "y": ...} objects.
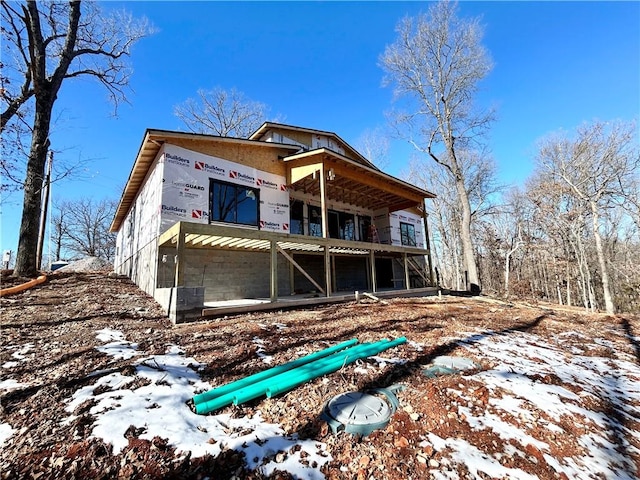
[
  {"x": 154, "y": 400},
  {"x": 6, "y": 431}
]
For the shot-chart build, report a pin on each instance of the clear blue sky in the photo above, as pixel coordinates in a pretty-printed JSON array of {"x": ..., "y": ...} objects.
[{"x": 557, "y": 64}]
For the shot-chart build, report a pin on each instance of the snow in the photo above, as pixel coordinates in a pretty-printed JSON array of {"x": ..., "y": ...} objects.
[
  {"x": 549, "y": 386},
  {"x": 5, "y": 432},
  {"x": 154, "y": 400},
  {"x": 118, "y": 348},
  {"x": 520, "y": 360},
  {"x": 11, "y": 384},
  {"x": 259, "y": 343}
]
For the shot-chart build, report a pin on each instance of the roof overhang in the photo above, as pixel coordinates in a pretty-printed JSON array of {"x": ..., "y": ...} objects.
[
  {"x": 152, "y": 142},
  {"x": 351, "y": 182}
]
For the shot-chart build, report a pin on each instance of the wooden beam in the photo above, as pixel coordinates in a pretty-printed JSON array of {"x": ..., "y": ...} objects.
[
  {"x": 274, "y": 271},
  {"x": 298, "y": 173},
  {"x": 327, "y": 270},
  {"x": 300, "y": 269},
  {"x": 180, "y": 256},
  {"x": 418, "y": 270},
  {"x": 406, "y": 271},
  {"x": 372, "y": 261},
  {"x": 323, "y": 204}
]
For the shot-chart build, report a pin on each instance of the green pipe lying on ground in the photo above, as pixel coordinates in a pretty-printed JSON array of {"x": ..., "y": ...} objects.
[
  {"x": 259, "y": 389},
  {"x": 279, "y": 383},
  {"x": 243, "y": 382},
  {"x": 301, "y": 377},
  {"x": 255, "y": 389}
]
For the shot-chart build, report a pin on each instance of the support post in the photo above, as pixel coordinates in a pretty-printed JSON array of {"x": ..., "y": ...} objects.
[
  {"x": 327, "y": 270},
  {"x": 406, "y": 271},
  {"x": 179, "y": 259},
  {"x": 274, "y": 271},
  {"x": 323, "y": 203},
  {"x": 372, "y": 263}
]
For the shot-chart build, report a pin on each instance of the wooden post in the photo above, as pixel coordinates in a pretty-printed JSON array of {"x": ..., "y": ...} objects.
[
  {"x": 274, "y": 271},
  {"x": 372, "y": 262},
  {"x": 323, "y": 203},
  {"x": 406, "y": 271},
  {"x": 327, "y": 269},
  {"x": 180, "y": 254}
]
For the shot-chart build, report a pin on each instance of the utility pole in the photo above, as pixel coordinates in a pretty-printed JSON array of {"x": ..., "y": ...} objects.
[{"x": 43, "y": 216}]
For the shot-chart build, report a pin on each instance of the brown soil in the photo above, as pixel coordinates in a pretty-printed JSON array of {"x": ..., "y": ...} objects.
[{"x": 60, "y": 319}]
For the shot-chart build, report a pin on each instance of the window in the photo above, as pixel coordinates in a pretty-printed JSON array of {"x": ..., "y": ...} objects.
[
  {"x": 296, "y": 221},
  {"x": 341, "y": 225},
  {"x": 233, "y": 203},
  {"x": 408, "y": 234},
  {"x": 315, "y": 221}
]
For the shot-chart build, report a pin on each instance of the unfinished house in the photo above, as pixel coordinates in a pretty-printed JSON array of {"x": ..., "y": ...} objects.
[{"x": 210, "y": 225}]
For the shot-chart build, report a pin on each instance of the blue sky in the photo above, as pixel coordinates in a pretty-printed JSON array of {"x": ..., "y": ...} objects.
[{"x": 557, "y": 64}]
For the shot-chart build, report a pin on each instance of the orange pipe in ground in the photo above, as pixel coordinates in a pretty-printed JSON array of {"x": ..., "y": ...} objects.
[{"x": 24, "y": 286}]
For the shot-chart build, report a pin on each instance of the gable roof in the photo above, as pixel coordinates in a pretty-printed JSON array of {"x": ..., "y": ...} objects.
[{"x": 357, "y": 156}]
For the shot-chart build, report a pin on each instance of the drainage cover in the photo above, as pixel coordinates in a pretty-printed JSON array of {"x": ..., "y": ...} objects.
[{"x": 360, "y": 413}]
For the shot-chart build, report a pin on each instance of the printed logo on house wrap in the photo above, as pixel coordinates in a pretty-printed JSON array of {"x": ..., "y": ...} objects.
[
  {"x": 199, "y": 214},
  {"x": 242, "y": 177},
  {"x": 261, "y": 182},
  {"x": 173, "y": 210},
  {"x": 264, "y": 225},
  {"x": 188, "y": 190},
  {"x": 176, "y": 159},
  {"x": 285, "y": 226},
  {"x": 205, "y": 167},
  {"x": 283, "y": 188}
]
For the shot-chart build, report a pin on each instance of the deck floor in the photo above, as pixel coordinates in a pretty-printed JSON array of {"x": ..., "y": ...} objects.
[{"x": 245, "y": 305}]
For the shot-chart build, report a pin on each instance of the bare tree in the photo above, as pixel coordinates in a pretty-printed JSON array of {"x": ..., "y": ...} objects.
[
  {"x": 221, "y": 112},
  {"x": 83, "y": 227},
  {"x": 45, "y": 44},
  {"x": 598, "y": 165},
  {"x": 478, "y": 171},
  {"x": 374, "y": 145},
  {"x": 436, "y": 64}
]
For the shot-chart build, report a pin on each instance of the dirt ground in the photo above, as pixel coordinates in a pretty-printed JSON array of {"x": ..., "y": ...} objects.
[{"x": 59, "y": 319}]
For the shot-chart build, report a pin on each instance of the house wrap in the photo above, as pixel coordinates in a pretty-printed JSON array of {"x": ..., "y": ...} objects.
[{"x": 290, "y": 213}]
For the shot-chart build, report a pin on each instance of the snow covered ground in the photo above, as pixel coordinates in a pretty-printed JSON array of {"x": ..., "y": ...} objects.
[
  {"x": 596, "y": 395},
  {"x": 588, "y": 380}
]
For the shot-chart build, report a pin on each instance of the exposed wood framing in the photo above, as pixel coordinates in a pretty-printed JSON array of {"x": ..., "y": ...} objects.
[{"x": 300, "y": 269}]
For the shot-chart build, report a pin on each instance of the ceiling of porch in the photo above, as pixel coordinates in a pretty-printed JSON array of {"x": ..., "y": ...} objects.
[{"x": 351, "y": 182}]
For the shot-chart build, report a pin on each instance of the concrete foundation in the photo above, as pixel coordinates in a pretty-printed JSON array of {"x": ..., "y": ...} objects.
[{"x": 181, "y": 304}]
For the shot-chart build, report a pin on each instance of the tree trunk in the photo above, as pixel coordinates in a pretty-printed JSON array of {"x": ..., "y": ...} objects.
[
  {"x": 29, "y": 227},
  {"x": 608, "y": 300},
  {"x": 468, "y": 254}
]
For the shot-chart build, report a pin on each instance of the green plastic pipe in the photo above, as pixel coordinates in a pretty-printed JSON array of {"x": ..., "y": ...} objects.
[
  {"x": 259, "y": 388},
  {"x": 304, "y": 376},
  {"x": 294, "y": 377},
  {"x": 233, "y": 386}
]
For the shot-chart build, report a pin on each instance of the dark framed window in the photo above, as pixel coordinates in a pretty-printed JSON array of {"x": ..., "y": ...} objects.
[
  {"x": 341, "y": 225},
  {"x": 315, "y": 221},
  {"x": 408, "y": 234},
  {"x": 296, "y": 222},
  {"x": 232, "y": 203}
]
